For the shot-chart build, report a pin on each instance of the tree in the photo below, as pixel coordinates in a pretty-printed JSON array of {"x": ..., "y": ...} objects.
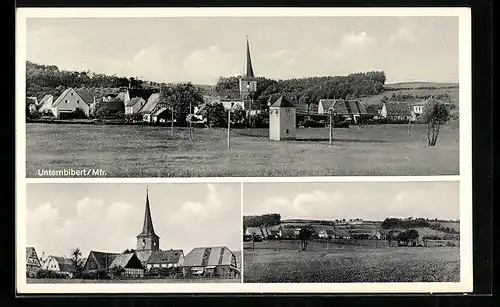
[
  {"x": 128, "y": 251},
  {"x": 403, "y": 237},
  {"x": 305, "y": 235},
  {"x": 216, "y": 115},
  {"x": 238, "y": 115},
  {"x": 79, "y": 113},
  {"x": 178, "y": 98},
  {"x": 435, "y": 115},
  {"x": 76, "y": 260},
  {"x": 412, "y": 235}
]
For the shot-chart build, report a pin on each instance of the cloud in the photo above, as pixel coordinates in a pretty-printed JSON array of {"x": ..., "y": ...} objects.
[
  {"x": 210, "y": 208},
  {"x": 119, "y": 211},
  {"x": 356, "y": 38},
  {"x": 41, "y": 214},
  {"x": 86, "y": 205},
  {"x": 211, "y": 62},
  {"x": 403, "y": 34}
]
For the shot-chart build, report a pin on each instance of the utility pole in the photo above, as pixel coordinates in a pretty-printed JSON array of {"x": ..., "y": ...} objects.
[
  {"x": 228, "y": 127},
  {"x": 172, "y": 121},
  {"x": 190, "y": 120},
  {"x": 331, "y": 126}
]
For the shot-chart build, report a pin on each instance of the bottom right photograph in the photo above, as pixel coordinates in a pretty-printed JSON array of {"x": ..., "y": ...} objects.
[{"x": 351, "y": 232}]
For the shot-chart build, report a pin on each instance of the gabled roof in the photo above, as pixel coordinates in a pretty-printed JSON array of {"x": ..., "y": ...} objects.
[
  {"x": 401, "y": 108},
  {"x": 151, "y": 104},
  {"x": 139, "y": 92},
  {"x": 45, "y": 99},
  {"x": 29, "y": 251},
  {"x": 209, "y": 256},
  {"x": 102, "y": 259},
  {"x": 357, "y": 107},
  {"x": 282, "y": 102},
  {"x": 132, "y": 102},
  {"x": 125, "y": 261},
  {"x": 86, "y": 95},
  {"x": 166, "y": 256},
  {"x": 338, "y": 105},
  {"x": 65, "y": 264}
]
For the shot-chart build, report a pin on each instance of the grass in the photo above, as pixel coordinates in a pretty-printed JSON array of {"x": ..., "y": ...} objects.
[
  {"x": 270, "y": 263},
  {"x": 131, "y": 281},
  {"x": 147, "y": 151}
]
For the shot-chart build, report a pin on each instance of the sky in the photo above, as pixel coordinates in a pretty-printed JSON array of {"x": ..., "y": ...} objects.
[
  {"x": 199, "y": 50},
  {"x": 108, "y": 217},
  {"x": 366, "y": 200}
]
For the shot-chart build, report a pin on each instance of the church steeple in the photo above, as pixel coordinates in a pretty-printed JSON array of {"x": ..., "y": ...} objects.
[
  {"x": 249, "y": 68},
  {"x": 147, "y": 239}
]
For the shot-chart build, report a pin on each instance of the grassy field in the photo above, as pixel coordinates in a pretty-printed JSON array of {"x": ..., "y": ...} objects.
[
  {"x": 132, "y": 281},
  {"x": 271, "y": 263},
  {"x": 147, "y": 151}
]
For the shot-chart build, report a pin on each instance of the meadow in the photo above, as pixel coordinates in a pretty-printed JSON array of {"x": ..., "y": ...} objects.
[
  {"x": 132, "y": 281},
  {"x": 281, "y": 262},
  {"x": 151, "y": 151}
]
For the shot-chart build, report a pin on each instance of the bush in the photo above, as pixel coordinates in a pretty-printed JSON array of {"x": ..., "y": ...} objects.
[
  {"x": 50, "y": 274},
  {"x": 79, "y": 113},
  {"x": 100, "y": 274},
  {"x": 164, "y": 272}
]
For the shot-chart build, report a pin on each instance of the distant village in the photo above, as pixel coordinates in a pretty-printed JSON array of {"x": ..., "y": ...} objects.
[
  {"x": 146, "y": 261},
  {"x": 145, "y": 105}
]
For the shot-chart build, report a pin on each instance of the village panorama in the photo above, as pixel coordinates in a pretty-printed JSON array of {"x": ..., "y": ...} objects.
[
  {"x": 148, "y": 262},
  {"x": 246, "y": 125},
  {"x": 338, "y": 247}
]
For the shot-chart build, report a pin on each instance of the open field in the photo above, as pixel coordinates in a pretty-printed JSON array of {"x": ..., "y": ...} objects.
[
  {"x": 272, "y": 263},
  {"x": 148, "y": 151},
  {"x": 132, "y": 281}
]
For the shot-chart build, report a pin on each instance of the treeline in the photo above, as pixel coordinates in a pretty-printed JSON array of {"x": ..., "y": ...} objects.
[
  {"x": 445, "y": 97},
  {"x": 261, "y": 220},
  {"x": 395, "y": 223},
  {"x": 308, "y": 90}
]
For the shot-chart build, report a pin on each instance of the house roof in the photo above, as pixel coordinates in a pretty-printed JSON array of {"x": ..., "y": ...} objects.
[
  {"x": 287, "y": 231},
  {"x": 151, "y": 104},
  {"x": 209, "y": 256},
  {"x": 132, "y": 102},
  {"x": 166, "y": 256},
  {"x": 102, "y": 259},
  {"x": 139, "y": 92},
  {"x": 29, "y": 251},
  {"x": 283, "y": 102},
  {"x": 45, "y": 99},
  {"x": 86, "y": 95},
  {"x": 401, "y": 108},
  {"x": 251, "y": 105},
  {"x": 65, "y": 264},
  {"x": 254, "y": 230},
  {"x": 159, "y": 111},
  {"x": 125, "y": 260},
  {"x": 339, "y": 106},
  {"x": 143, "y": 256},
  {"x": 357, "y": 107},
  {"x": 61, "y": 97},
  {"x": 114, "y": 105}
]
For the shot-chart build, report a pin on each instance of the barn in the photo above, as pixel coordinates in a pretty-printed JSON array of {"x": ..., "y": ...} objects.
[
  {"x": 127, "y": 265},
  {"x": 217, "y": 261}
]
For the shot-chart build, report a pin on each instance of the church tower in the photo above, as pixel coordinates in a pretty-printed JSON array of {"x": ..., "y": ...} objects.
[
  {"x": 147, "y": 240},
  {"x": 248, "y": 83}
]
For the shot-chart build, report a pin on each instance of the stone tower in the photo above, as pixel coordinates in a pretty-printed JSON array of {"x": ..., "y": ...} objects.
[
  {"x": 147, "y": 240},
  {"x": 282, "y": 120},
  {"x": 248, "y": 83}
]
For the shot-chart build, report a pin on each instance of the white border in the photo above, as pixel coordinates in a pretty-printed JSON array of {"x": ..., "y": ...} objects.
[{"x": 465, "y": 177}]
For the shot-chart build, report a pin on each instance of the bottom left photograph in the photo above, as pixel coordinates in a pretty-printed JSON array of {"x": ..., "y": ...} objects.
[{"x": 133, "y": 233}]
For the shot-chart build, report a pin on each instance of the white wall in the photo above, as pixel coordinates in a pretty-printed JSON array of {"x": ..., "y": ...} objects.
[{"x": 282, "y": 123}]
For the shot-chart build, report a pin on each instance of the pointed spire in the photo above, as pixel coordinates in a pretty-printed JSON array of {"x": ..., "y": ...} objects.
[
  {"x": 249, "y": 69},
  {"x": 147, "y": 228}
]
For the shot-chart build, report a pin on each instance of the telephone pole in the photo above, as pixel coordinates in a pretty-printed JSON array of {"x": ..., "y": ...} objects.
[
  {"x": 331, "y": 127},
  {"x": 228, "y": 127},
  {"x": 190, "y": 120}
]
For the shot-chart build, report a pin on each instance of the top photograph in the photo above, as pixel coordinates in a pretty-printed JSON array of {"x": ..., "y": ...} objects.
[{"x": 233, "y": 96}]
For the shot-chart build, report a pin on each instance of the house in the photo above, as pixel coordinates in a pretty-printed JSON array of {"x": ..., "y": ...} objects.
[
  {"x": 326, "y": 233},
  {"x": 349, "y": 109},
  {"x": 99, "y": 261},
  {"x": 70, "y": 100},
  {"x": 45, "y": 105},
  {"x": 287, "y": 233},
  {"x": 59, "y": 264},
  {"x": 255, "y": 231},
  {"x": 134, "y": 105},
  {"x": 396, "y": 111},
  {"x": 150, "y": 107},
  {"x": 276, "y": 233},
  {"x": 418, "y": 109},
  {"x": 127, "y": 265},
  {"x": 217, "y": 261},
  {"x": 296, "y": 232},
  {"x": 33, "y": 264},
  {"x": 131, "y": 93},
  {"x": 115, "y": 105},
  {"x": 165, "y": 259}
]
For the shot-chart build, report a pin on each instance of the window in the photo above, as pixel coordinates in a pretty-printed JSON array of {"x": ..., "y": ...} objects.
[
  {"x": 77, "y": 101},
  {"x": 71, "y": 94},
  {"x": 66, "y": 101}
]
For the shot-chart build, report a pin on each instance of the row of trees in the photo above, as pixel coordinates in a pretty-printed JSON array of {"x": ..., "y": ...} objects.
[
  {"x": 395, "y": 223},
  {"x": 264, "y": 220}
]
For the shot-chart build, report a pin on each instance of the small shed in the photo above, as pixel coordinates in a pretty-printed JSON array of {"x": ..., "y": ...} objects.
[{"x": 282, "y": 121}]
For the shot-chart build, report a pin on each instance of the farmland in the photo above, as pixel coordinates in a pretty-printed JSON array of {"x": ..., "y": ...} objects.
[
  {"x": 151, "y": 151},
  {"x": 131, "y": 281},
  {"x": 275, "y": 262}
]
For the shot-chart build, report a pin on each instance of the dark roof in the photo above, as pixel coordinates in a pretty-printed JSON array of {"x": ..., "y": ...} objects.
[
  {"x": 133, "y": 101},
  {"x": 45, "y": 99},
  {"x": 29, "y": 251},
  {"x": 65, "y": 264},
  {"x": 401, "y": 108},
  {"x": 86, "y": 95},
  {"x": 338, "y": 106},
  {"x": 114, "y": 105},
  {"x": 151, "y": 104},
  {"x": 129, "y": 260},
  {"x": 283, "y": 102},
  {"x": 102, "y": 259},
  {"x": 147, "y": 228},
  {"x": 249, "y": 68},
  {"x": 357, "y": 107},
  {"x": 139, "y": 92},
  {"x": 251, "y": 105},
  {"x": 166, "y": 256}
]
